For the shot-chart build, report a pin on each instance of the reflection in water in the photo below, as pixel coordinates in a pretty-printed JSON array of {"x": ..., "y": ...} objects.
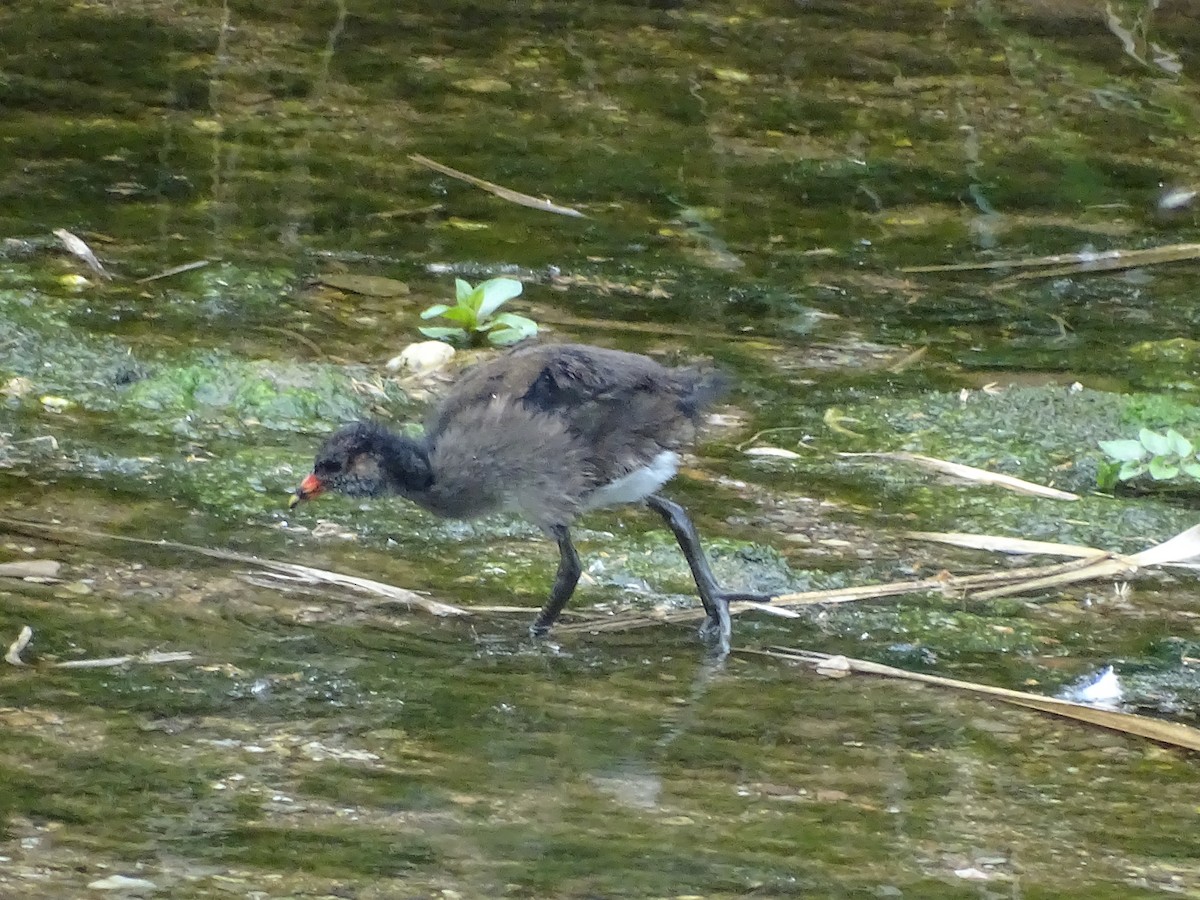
[{"x": 680, "y": 718}]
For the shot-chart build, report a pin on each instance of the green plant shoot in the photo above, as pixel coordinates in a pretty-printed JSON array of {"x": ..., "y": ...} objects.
[{"x": 475, "y": 316}]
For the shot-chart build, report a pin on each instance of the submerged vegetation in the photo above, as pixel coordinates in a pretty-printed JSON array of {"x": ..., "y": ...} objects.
[{"x": 903, "y": 232}]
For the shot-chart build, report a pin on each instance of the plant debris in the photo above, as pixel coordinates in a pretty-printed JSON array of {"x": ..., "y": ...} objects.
[
  {"x": 502, "y": 192},
  {"x": 76, "y": 247},
  {"x": 1171, "y": 733}
]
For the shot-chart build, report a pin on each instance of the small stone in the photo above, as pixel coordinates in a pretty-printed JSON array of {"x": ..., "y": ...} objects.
[
  {"x": 56, "y": 404},
  {"x": 423, "y": 356},
  {"x": 17, "y": 386},
  {"x": 971, "y": 873},
  {"x": 325, "y": 529},
  {"x": 125, "y": 884}
]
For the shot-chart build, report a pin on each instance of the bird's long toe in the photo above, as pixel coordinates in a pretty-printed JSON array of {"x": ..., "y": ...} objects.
[{"x": 718, "y": 628}]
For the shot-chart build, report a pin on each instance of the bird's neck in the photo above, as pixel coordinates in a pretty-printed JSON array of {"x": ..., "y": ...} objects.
[{"x": 405, "y": 462}]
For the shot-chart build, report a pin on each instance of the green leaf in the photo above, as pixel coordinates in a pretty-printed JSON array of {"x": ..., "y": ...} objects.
[
  {"x": 512, "y": 329},
  {"x": 462, "y": 290},
  {"x": 463, "y": 315},
  {"x": 1180, "y": 445},
  {"x": 527, "y": 327},
  {"x": 504, "y": 337},
  {"x": 1124, "y": 451},
  {"x": 1154, "y": 442},
  {"x": 1163, "y": 468},
  {"x": 1192, "y": 469},
  {"x": 436, "y": 310},
  {"x": 496, "y": 292},
  {"x": 1131, "y": 470},
  {"x": 439, "y": 333}
]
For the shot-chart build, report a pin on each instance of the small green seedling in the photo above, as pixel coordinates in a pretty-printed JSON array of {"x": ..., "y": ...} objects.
[
  {"x": 1161, "y": 456},
  {"x": 474, "y": 314}
]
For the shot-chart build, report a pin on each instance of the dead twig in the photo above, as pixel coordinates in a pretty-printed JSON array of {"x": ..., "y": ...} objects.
[
  {"x": 943, "y": 582},
  {"x": 71, "y": 534},
  {"x": 971, "y": 473},
  {"x": 1179, "y": 550},
  {"x": 153, "y": 657},
  {"x": 1170, "y": 733},
  {"x": 1182, "y": 550},
  {"x": 77, "y": 248},
  {"x": 17, "y": 647},
  {"x": 1073, "y": 263},
  {"x": 502, "y": 192},
  {"x": 175, "y": 270}
]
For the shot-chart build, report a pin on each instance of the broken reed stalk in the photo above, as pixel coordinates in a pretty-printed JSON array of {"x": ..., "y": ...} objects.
[
  {"x": 1178, "y": 550},
  {"x": 959, "y": 585},
  {"x": 70, "y": 534},
  {"x": 1171, "y": 733},
  {"x": 500, "y": 191}
]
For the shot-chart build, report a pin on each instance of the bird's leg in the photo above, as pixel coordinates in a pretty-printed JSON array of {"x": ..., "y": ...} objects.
[
  {"x": 716, "y": 601},
  {"x": 564, "y": 581}
]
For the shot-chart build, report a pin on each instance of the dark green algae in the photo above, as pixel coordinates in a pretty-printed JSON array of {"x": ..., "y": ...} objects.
[
  {"x": 750, "y": 777},
  {"x": 513, "y": 751}
]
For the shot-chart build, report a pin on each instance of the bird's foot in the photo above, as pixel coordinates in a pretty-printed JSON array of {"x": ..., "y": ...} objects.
[
  {"x": 710, "y": 629},
  {"x": 717, "y": 628},
  {"x": 538, "y": 629}
]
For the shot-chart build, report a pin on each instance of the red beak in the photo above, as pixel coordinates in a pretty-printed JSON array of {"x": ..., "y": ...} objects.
[{"x": 309, "y": 488}]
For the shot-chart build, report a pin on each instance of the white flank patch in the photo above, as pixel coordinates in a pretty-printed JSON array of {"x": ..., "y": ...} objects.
[{"x": 638, "y": 484}]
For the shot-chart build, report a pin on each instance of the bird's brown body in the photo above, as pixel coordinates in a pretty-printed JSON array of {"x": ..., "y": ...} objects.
[{"x": 548, "y": 431}]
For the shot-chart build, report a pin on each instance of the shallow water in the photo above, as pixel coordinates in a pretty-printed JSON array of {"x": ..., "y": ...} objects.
[{"x": 754, "y": 177}]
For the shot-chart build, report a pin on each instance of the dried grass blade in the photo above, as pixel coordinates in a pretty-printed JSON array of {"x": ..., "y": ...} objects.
[
  {"x": 1027, "y": 262},
  {"x": 17, "y": 647},
  {"x": 1182, "y": 548},
  {"x": 1104, "y": 566},
  {"x": 366, "y": 585},
  {"x": 71, "y": 534},
  {"x": 1138, "y": 257},
  {"x": 1114, "y": 261},
  {"x": 1002, "y": 544},
  {"x": 956, "y": 585},
  {"x": 1171, "y": 733},
  {"x": 153, "y": 658},
  {"x": 971, "y": 473},
  {"x": 175, "y": 270},
  {"x": 502, "y": 192},
  {"x": 77, "y": 248}
]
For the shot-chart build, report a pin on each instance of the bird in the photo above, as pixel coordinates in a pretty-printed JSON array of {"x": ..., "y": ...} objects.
[{"x": 549, "y": 431}]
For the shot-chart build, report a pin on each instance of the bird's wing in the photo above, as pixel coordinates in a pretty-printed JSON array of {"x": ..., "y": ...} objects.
[
  {"x": 574, "y": 377},
  {"x": 555, "y": 379}
]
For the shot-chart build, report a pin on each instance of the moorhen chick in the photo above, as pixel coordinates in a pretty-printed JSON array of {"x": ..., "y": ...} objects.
[{"x": 549, "y": 431}]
